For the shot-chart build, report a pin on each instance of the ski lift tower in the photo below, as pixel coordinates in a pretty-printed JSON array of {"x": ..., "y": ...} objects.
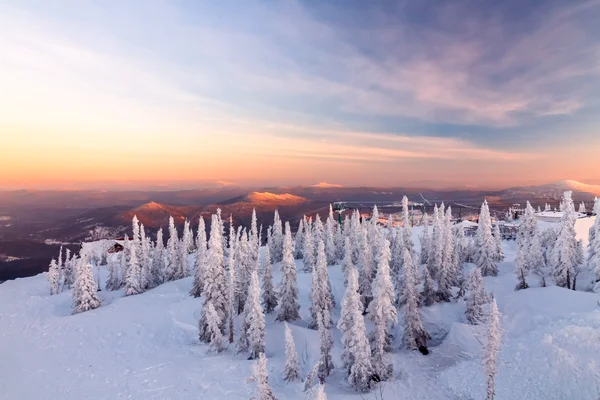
[{"x": 339, "y": 207}]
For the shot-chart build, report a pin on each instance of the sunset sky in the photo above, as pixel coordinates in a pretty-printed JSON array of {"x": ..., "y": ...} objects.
[{"x": 112, "y": 93}]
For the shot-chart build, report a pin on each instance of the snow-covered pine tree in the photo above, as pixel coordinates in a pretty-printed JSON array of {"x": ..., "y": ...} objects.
[
  {"x": 564, "y": 253},
  {"x": 253, "y": 240},
  {"x": 499, "y": 253},
  {"x": 330, "y": 250},
  {"x": 269, "y": 297},
  {"x": 243, "y": 269},
  {"x": 114, "y": 275},
  {"x": 396, "y": 268},
  {"x": 231, "y": 311},
  {"x": 582, "y": 209},
  {"x": 425, "y": 240},
  {"x": 320, "y": 393},
  {"x": 593, "y": 229},
  {"x": 338, "y": 240},
  {"x": 347, "y": 261},
  {"x": 291, "y": 370},
  {"x": 326, "y": 361},
  {"x": 123, "y": 262},
  {"x": 382, "y": 312},
  {"x": 299, "y": 242},
  {"x": 146, "y": 279},
  {"x": 68, "y": 271},
  {"x": 276, "y": 240},
  {"x": 133, "y": 284},
  {"x": 85, "y": 288},
  {"x": 136, "y": 242},
  {"x": 446, "y": 276},
  {"x": 365, "y": 268},
  {"x": 594, "y": 249},
  {"x": 261, "y": 378},
  {"x": 537, "y": 260},
  {"x": 213, "y": 329},
  {"x": 254, "y": 318},
  {"x": 54, "y": 277},
  {"x": 288, "y": 308},
  {"x": 172, "y": 268},
  {"x": 415, "y": 336},
  {"x": 309, "y": 381},
  {"x": 406, "y": 228},
  {"x": 460, "y": 244},
  {"x": 184, "y": 246},
  {"x": 356, "y": 353},
  {"x": 428, "y": 297},
  {"x": 476, "y": 298},
  {"x": 318, "y": 232},
  {"x": 320, "y": 295},
  {"x": 308, "y": 251},
  {"x": 520, "y": 269},
  {"x": 158, "y": 259},
  {"x": 200, "y": 259},
  {"x": 490, "y": 353},
  {"x": 435, "y": 256},
  {"x": 485, "y": 243},
  {"x": 215, "y": 281}
]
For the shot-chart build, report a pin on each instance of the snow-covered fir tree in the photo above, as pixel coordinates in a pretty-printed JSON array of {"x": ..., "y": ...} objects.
[
  {"x": 476, "y": 298},
  {"x": 356, "y": 353},
  {"x": 253, "y": 238},
  {"x": 215, "y": 281},
  {"x": 68, "y": 271},
  {"x": 200, "y": 259},
  {"x": 269, "y": 297},
  {"x": 85, "y": 288},
  {"x": 365, "y": 268},
  {"x": 447, "y": 270},
  {"x": 113, "y": 281},
  {"x": 490, "y": 352},
  {"x": 406, "y": 228},
  {"x": 254, "y": 318},
  {"x": 520, "y": 269},
  {"x": 320, "y": 295},
  {"x": 582, "y": 208},
  {"x": 308, "y": 250},
  {"x": 184, "y": 246},
  {"x": 123, "y": 261},
  {"x": 133, "y": 284},
  {"x": 299, "y": 240},
  {"x": 291, "y": 370},
  {"x": 485, "y": 243},
  {"x": 382, "y": 312},
  {"x": 594, "y": 249},
  {"x": 243, "y": 270},
  {"x": 397, "y": 250},
  {"x": 146, "y": 278},
  {"x": 428, "y": 297},
  {"x": 276, "y": 239},
  {"x": 213, "y": 329},
  {"x": 537, "y": 260},
  {"x": 347, "y": 261},
  {"x": 564, "y": 254},
  {"x": 415, "y": 336},
  {"x": 288, "y": 306},
  {"x": 338, "y": 239},
  {"x": 158, "y": 259},
  {"x": 136, "y": 242},
  {"x": 435, "y": 256},
  {"x": 261, "y": 378},
  {"x": 318, "y": 231},
  {"x": 54, "y": 277},
  {"x": 425, "y": 240},
  {"x": 499, "y": 253},
  {"x": 172, "y": 268},
  {"x": 326, "y": 341},
  {"x": 231, "y": 311},
  {"x": 330, "y": 249}
]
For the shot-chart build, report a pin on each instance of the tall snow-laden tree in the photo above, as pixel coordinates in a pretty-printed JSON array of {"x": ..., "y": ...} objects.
[
  {"x": 356, "y": 353},
  {"x": 146, "y": 279},
  {"x": 415, "y": 336},
  {"x": 288, "y": 308},
  {"x": 330, "y": 249},
  {"x": 425, "y": 243},
  {"x": 446, "y": 271},
  {"x": 594, "y": 248},
  {"x": 231, "y": 314},
  {"x": 326, "y": 341},
  {"x": 291, "y": 370},
  {"x": 113, "y": 282},
  {"x": 406, "y": 228},
  {"x": 338, "y": 240},
  {"x": 276, "y": 242},
  {"x": 520, "y": 269},
  {"x": 136, "y": 242},
  {"x": 200, "y": 259},
  {"x": 269, "y": 297},
  {"x": 308, "y": 251},
  {"x": 243, "y": 269},
  {"x": 365, "y": 268},
  {"x": 537, "y": 262},
  {"x": 490, "y": 352},
  {"x": 253, "y": 239},
  {"x": 185, "y": 244},
  {"x": 476, "y": 298},
  {"x": 382, "y": 312},
  {"x": 85, "y": 288},
  {"x": 213, "y": 329},
  {"x": 435, "y": 256},
  {"x": 215, "y": 281},
  {"x": 564, "y": 253},
  {"x": 255, "y": 318},
  {"x": 261, "y": 378},
  {"x": 172, "y": 268},
  {"x": 133, "y": 284},
  {"x": 347, "y": 261},
  {"x": 320, "y": 296},
  {"x": 485, "y": 243},
  {"x": 158, "y": 259},
  {"x": 582, "y": 208},
  {"x": 299, "y": 242},
  {"x": 68, "y": 271},
  {"x": 54, "y": 277},
  {"x": 499, "y": 253},
  {"x": 428, "y": 297}
]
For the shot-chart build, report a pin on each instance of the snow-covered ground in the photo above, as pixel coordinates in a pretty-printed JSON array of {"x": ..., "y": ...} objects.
[{"x": 146, "y": 346}]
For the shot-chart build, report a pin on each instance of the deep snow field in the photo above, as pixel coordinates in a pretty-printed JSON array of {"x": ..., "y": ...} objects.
[{"x": 146, "y": 346}]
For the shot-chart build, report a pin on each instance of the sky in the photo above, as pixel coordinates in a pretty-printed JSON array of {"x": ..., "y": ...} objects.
[{"x": 123, "y": 93}]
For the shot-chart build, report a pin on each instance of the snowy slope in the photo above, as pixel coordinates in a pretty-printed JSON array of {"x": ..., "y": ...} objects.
[{"x": 146, "y": 347}]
